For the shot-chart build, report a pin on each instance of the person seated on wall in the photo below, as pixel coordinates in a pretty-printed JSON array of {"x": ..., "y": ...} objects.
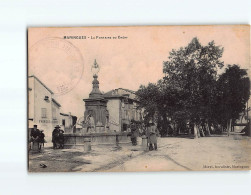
[
  {"x": 34, "y": 135},
  {"x": 55, "y": 135}
]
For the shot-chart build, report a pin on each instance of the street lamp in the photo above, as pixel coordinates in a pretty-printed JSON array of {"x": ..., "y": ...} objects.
[
  {"x": 95, "y": 68},
  {"x": 95, "y": 83}
]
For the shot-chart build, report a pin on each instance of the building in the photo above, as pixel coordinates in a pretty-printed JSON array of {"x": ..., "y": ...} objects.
[
  {"x": 43, "y": 110},
  {"x": 122, "y": 108},
  {"x": 112, "y": 111},
  {"x": 68, "y": 122},
  {"x": 109, "y": 112}
]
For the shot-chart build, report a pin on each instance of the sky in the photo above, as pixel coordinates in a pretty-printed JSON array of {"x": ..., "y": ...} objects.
[{"x": 64, "y": 65}]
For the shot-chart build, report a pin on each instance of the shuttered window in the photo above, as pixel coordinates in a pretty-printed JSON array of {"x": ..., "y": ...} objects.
[
  {"x": 44, "y": 112},
  {"x": 54, "y": 116}
]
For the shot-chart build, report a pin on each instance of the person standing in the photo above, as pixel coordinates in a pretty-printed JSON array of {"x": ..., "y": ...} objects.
[
  {"x": 134, "y": 134},
  {"x": 55, "y": 135},
  {"x": 152, "y": 136},
  {"x": 41, "y": 139},
  {"x": 61, "y": 139}
]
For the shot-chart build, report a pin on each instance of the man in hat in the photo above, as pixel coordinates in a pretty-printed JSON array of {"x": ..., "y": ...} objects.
[
  {"x": 34, "y": 132},
  {"x": 34, "y": 135},
  {"x": 55, "y": 135}
]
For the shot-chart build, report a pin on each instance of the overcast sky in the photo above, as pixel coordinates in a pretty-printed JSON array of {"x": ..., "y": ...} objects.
[{"x": 125, "y": 63}]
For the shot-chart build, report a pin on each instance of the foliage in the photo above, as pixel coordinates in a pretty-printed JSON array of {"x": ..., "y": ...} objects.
[
  {"x": 192, "y": 91},
  {"x": 233, "y": 88}
]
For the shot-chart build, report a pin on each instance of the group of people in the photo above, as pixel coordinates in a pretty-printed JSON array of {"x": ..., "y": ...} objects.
[
  {"x": 58, "y": 138},
  {"x": 150, "y": 131},
  {"x": 36, "y": 137}
]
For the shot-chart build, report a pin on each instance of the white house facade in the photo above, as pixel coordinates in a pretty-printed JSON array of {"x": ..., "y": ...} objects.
[{"x": 44, "y": 110}]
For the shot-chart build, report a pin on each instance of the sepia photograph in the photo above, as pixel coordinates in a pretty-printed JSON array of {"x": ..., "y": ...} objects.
[
  {"x": 125, "y": 97},
  {"x": 138, "y": 98}
]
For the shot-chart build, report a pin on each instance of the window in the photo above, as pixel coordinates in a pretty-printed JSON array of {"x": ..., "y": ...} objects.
[
  {"x": 44, "y": 113},
  {"x": 54, "y": 113}
]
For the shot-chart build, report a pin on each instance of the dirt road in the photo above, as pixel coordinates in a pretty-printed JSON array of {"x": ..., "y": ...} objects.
[
  {"x": 181, "y": 154},
  {"x": 173, "y": 154}
]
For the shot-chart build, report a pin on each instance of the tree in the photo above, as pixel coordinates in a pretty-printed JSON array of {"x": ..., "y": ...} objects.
[
  {"x": 192, "y": 95},
  {"x": 148, "y": 99},
  {"x": 233, "y": 93},
  {"x": 161, "y": 100},
  {"x": 193, "y": 71}
]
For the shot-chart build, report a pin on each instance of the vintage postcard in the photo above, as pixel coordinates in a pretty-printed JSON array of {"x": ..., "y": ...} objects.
[{"x": 139, "y": 98}]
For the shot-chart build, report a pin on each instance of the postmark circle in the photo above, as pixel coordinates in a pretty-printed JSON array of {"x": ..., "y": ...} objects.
[{"x": 57, "y": 63}]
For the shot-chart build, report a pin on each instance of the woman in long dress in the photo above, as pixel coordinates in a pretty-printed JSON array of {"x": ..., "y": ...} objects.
[{"x": 152, "y": 136}]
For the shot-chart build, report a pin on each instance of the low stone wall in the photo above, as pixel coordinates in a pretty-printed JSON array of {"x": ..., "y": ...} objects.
[{"x": 74, "y": 140}]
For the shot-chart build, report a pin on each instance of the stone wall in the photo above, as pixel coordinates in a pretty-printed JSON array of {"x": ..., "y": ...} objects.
[{"x": 77, "y": 140}]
